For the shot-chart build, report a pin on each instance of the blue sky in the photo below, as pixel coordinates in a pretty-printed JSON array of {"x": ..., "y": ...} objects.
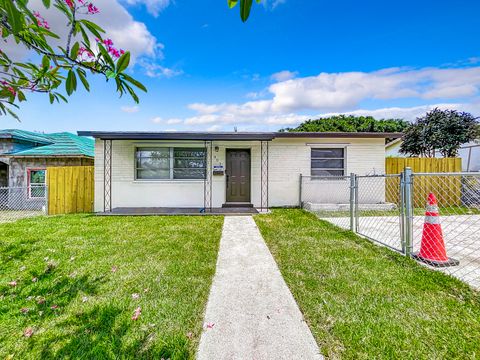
[{"x": 293, "y": 60}]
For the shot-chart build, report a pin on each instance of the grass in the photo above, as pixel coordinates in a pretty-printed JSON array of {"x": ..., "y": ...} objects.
[
  {"x": 366, "y": 302},
  {"x": 87, "y": 269}
]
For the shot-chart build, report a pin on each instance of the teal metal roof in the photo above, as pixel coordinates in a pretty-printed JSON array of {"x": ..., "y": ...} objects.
[
  {"x": 24, "y": 135},
  {"x": 56, "y": 144}
]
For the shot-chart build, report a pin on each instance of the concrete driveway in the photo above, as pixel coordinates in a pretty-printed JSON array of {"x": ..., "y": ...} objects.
[{"x": 461, "y": 235}]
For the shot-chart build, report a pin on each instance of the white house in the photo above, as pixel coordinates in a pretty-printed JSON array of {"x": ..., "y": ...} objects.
[{"x": 210, "y": 170}]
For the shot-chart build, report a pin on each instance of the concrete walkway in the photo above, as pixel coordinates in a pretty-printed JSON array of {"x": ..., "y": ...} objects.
[{"x": 251, "y": 313}]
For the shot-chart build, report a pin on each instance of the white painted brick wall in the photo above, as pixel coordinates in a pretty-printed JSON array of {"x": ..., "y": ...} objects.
[{"x": 288, "y": 158}]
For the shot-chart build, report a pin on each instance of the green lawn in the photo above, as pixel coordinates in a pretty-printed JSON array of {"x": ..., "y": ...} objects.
[
  {"x": 366, "y": 302},
  {"x": 92, "y": 273}
]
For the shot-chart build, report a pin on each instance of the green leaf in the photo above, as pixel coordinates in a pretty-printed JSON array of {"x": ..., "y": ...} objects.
[
  {"x": 232, "y": 3},
  {"x": 58, "y": 95},
  {"x": 132, "y": 93},
  {"x": 245, "y": 6},
  {"x": 131, "y": 80},
  {"x": 15, "y": 116},
  {"x": 71, "y": 83},
  {"x": 83, "y": 79},
  {"x": 14, "y": 17},
  {"x": 74, "y": 50},
  {"x": 46, "y": 3},
  {"x": 21, "y": 96},
  {"x": 110, "y": 74},
  {"x": 51, "y": 97},
  {"x": 123, "y": 62},
  {"x": 86, "y": 40},
  {"x": 45, "y": 62},
  {"x": 93, "y": 28},
  {"x": 106, "y": 56}
]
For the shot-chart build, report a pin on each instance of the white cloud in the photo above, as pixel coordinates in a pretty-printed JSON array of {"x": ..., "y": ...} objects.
[
  {"x": 154, "y": 7},
  {"x": 272, "y": 4},
  {"x": 283, "y": 75},
  {"x": 292, "y": 101},
  {"x": 155, "y": 70},
  {"x": 130, "y": 109},
  {"x": 172, "y": 121},
  {"x": 346, "y": 90}
]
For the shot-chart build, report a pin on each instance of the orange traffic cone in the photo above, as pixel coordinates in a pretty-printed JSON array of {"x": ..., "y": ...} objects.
[{"x": 432, "y": 248}]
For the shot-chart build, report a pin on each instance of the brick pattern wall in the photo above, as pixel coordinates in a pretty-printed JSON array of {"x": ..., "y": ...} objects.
[{"x": 288, "y": 158}]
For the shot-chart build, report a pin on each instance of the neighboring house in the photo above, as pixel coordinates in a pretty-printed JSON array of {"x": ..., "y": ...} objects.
[
  {"x": 25, "y": 155},
  {"x": 469, "y": 153},
  {"x": 392, "y": 149},
  {"x": 211, "y": 170}
]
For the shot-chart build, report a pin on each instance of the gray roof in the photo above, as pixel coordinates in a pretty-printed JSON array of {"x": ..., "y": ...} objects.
[{"x": 232, "y": 136}]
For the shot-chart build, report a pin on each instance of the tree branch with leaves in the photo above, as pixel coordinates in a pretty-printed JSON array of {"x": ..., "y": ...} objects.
[{"x": 84, "y": 51}]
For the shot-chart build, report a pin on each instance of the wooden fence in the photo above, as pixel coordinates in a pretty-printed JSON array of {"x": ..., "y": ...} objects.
[
  {"x": 70, "y": 189},
  {"x": 448, "y": 190}
]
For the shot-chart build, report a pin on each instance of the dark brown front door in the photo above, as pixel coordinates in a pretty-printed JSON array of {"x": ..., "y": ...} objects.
[{"x": 238, "y": 175}]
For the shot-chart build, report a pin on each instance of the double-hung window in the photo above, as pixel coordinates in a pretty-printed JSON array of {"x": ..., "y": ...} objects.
[
  {"x": 328, "y": 162},
  {"x": 169, "y": 163},
  {"x": 36, "y": 183}
]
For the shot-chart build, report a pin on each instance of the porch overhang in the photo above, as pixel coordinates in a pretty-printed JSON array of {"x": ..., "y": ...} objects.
[{"x": 198, "y": 136}]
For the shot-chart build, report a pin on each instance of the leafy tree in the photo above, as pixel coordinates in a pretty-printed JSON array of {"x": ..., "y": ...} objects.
[
  {"x": 84, "y": 51},
  {"x": 245, "y": 7},
  {"x": 440, "y": 130},
  {"x": 350, "y": 123}
]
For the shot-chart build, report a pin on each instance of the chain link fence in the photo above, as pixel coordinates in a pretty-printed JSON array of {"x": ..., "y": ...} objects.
[
  {"x": 21, "y": 202},
  {"x": 433, "y": 217}
]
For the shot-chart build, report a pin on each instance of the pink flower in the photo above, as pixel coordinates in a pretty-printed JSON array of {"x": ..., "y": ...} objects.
[
  {"x": 190, "y": 335},
  {"x": 83, "y": 51},
  {"x": 135, "y": 296},
  {"x": 69, "y": 3},
  {"x": 28, "y": 332},
  {"x": 24, "y": 310},
  {"x": 114, "y": 269},
  {"x": 108, "y": 42},
  {"x": 209, "y": 325},
  {"x": 54, "y": 307},
  {"x": 12, "y": 283},
  {"x": 41, "y": 21},
  {"x": 92, "y": 9},
  {"x": 137, "y": 313}
]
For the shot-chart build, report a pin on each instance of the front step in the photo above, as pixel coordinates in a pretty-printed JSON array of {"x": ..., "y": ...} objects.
[{"x": 237, "y": 205}]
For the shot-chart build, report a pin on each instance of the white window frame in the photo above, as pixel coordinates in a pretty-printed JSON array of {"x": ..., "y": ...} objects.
[
  {"x": 171, "y": 152},
  {"x": 328, "y": 147},
  {"x": 29, "y": 183}
]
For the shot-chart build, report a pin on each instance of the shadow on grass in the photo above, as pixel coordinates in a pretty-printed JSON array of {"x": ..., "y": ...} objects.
[
  {"x": 106, "y": 332},
  {"x": 15, "y": 251}
]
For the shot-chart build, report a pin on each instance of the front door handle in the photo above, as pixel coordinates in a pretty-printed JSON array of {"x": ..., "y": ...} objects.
[{"x": 228, "y": 178}]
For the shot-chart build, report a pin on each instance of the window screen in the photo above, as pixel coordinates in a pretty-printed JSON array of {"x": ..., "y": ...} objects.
[{"x": 328, "y": 162}]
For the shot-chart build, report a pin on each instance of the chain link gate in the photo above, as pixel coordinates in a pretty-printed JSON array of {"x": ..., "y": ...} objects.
[
  {"x": 378, "y": 209},
  {"x": 391, "y": 210}
]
